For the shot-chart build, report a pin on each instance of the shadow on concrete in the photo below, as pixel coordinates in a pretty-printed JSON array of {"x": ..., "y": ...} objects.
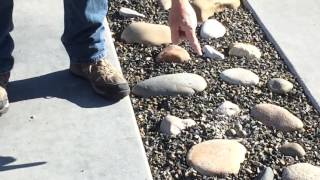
[
  {"x": 60, "y": 84},
  {"x": 5, "y": 160}
]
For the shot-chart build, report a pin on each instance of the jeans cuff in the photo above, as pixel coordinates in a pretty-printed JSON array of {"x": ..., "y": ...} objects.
[{"x": 93, "y": 59}]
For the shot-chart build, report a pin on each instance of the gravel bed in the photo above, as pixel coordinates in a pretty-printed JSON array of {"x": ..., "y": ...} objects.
[{"x": 167, "y": 155}]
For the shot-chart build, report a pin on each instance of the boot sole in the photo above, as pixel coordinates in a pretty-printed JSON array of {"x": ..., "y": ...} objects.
[
  {"x": 112, "y": 96},
  {"x": 5, "y": 108}
]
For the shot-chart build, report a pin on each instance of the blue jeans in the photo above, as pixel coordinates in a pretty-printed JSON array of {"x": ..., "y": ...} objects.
[{"x": 83, "y": 36}]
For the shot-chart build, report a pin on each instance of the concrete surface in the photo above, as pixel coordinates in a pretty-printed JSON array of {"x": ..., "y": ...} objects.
[
  {"x": 293, "y": 27},
  {"x": 56, "y": 127}
]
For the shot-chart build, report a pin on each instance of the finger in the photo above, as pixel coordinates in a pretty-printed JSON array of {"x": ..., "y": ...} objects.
[
  {"x": 192, "y": 38},
  {"x": 175, "y": 37}
]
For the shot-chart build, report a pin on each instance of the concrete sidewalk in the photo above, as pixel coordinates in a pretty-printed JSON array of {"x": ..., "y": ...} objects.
[
  {"x": 56, "y": 127},
  {"x": 293, "y": 27}
]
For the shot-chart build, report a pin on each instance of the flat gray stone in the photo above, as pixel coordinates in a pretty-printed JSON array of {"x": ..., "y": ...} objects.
[
  {"x": 296, "y": 37},
  {"x": 301, "y": 171},
  {"x": 228, "y": 108},
  {"x": 130, "y": 13},
  {"x": 212, "y": 53},
  {"x": 266, "y": 174},
  {"x": 279, "y": 85},
  {"x": 277, "y": 117},
  {"x": 239, "y": 76},
  {"x": 74, "y": 134},
  {"x": 170, "y": 85},
  {"x": 292, "y": 149}
]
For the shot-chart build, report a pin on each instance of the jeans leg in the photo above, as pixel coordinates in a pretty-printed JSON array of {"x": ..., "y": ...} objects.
[
  {"x": 84, "y": 31},
  {"x": 6, "y": 42}
]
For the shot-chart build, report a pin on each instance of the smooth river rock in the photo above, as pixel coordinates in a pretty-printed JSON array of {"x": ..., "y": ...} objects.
[
  {"x": 217, "y": 157},
  {"x": 301, "y": 171},
  {"x": 277, "y": 117},
  {"x": 130, "y": 13},
  {"x": 172, "y": 125},
  {"x": 228, "y": 108},
  {"x": 146, "y": 33},
  {"x": 212, "y": 53},
  {"x": 173, "y": 54},
  {"x": 245, "y": 50},
  {"x": 170, "y": 85},
  {"x": 212, "y": 28},
  {"x": 206, "y": 8},
  {"x": 266, "y": 174},
  {"x": 239, "y": 76},
  {"x": 292, "y": 149},
  {"x": 166, "y": 4},
  {"x": 279, "y": 85}
]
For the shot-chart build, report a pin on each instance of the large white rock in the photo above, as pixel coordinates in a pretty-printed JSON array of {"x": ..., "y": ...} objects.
[
  {"x": 228, "y": 108},
  {"x": 126, "y": 12},
  {"x": 217, "y": 157},
  {"x": 212, "y": 28},
  {"x": 172, "y": 125},
  {"x": 239, "y": 76},
  {"x": 245, "y": 50},
  {"x": 301, "y": 171},
  {"x": 170, "y": 85},
  {"x": 212, "y": 53}
]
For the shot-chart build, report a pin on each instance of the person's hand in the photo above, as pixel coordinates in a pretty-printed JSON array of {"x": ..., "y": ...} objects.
[{"x": 183, "y": 23}]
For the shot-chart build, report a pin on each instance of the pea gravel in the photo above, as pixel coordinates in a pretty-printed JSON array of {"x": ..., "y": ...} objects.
[{"x": 167, "y": 154}]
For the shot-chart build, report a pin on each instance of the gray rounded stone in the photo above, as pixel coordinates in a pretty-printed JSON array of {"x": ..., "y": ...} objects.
[
  {"x": 292, "y": 149},
  {"x": 279, "y": 85},
  {"x": 266, "y": 174},
  {"x": 239, "y": 76},
  {"x": 301, "y": 171},
  {"x": 277, "y": 117},
  {"x": 228, "y": 108},
  {"x": 217, "y": 157},
  {"x": 170, "y": 85},
  {"x": 211, "y": 53},
  {"x": 129, "y": 13}
]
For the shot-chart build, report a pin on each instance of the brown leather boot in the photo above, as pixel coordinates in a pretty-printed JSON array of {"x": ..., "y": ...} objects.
[
  {"x": 105, "y": 79},
  {"x": 4, "y": 102}
]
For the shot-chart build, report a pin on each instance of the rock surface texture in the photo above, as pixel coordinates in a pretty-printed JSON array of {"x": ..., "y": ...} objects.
[
  {"x": 166, "y": 4},
  {"x": 212, "y": 28},
  {"x": 172, "y": 125},
  {"x": 266, "y": 174},
  {"x": 174, "y": 54},
  {"x": 212, "y": 53},
  {"x": 239, "y": 76},
  {"x": 301, "y": 171},
  {"x": 146, "y": 33},
  {"x": 170, "y": 85},
  {"x": 279, "y": 85},
  {"x": 228, "y": 108},
  {"x": 292, "y": 149},
  {"x": 245, "y": 50},
  {"x": 130, "y": 13},
  {"x": 217, "y": 157},
  {"x": 206, "y": 8},
  {"x": 277, "y": 117}
]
